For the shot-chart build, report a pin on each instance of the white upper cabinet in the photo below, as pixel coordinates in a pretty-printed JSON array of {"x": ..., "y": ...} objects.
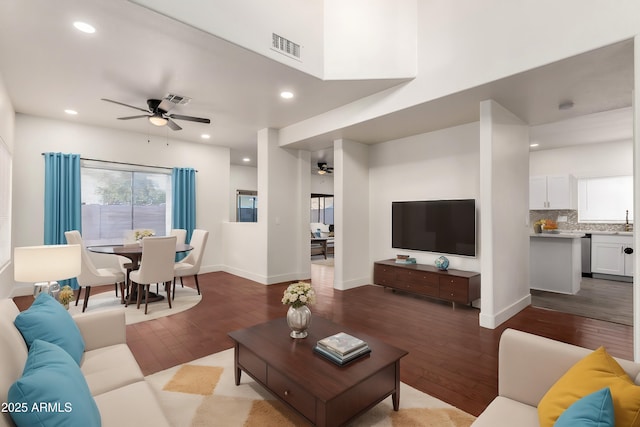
[{"x": 552, "y": 192}]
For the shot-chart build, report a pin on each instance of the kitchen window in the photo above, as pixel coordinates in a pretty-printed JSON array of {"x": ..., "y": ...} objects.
[{"x": 605, "y": 199}]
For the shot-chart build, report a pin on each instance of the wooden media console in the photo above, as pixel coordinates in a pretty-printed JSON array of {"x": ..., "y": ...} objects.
[{"x": 450, "y": 285}]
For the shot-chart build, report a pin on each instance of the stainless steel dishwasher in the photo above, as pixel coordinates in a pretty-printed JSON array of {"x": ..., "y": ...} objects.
[{"x": 586, "y": 255}]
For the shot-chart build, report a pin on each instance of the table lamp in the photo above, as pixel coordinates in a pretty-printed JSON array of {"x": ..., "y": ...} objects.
[{"x": 45, "y": 265}]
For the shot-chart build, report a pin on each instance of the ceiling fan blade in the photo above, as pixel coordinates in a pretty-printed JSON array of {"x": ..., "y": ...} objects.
[
  {"x": 126, "y": 105},
  {"x": 133, "y": 117},
  {"x": 165, "y": 105},
  {"x": 173, "y": 125},
  {"x": 189, "y": 118}
]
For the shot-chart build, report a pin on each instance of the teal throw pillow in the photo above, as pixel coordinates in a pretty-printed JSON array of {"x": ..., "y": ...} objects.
[
  {"x": 52, "y": 391},
  {"x": 49, "y": 321},
  {"x": 593, "y": 410}
]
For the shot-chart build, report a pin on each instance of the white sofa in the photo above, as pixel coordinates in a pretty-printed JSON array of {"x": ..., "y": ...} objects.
[
  {"x": 528, "y": 365},
  {"x": 114, "y": 378}
]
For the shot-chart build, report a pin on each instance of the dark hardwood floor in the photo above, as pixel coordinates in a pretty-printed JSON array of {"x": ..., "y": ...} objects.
[{"x": 450, "y": 356}]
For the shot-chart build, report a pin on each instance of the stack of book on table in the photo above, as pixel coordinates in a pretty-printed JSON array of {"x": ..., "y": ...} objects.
[
  {"x": 405, "y": 259},
  {"x": 341, "y": 348}
]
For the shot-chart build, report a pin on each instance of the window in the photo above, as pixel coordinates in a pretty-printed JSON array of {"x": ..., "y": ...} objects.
[
  {"x": 246, "y": 206},
  {"x": 5, "y": 204},
  {"x": 322, "y": 208},
  {"x": 116, "y": 201},
  {"x": 605, "y": 199}
]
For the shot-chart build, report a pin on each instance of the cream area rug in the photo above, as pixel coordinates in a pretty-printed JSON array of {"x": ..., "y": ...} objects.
[
  {"x": 203, "y": 393},
  {"x": 185, "y": 299}
]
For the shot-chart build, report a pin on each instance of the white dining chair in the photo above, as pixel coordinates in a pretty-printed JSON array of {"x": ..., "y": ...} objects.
[
  {"x": 190, "y": 265},
  {"x": 156, "y": 266},
  {"x": 89, "y": 274},
  {"x": 181, "y": 235}
]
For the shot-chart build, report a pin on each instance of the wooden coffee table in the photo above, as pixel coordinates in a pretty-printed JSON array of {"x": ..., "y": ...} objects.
[{"x": 324, "y": 393}]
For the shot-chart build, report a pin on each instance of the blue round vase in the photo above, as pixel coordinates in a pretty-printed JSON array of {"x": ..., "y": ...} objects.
[{"x": 442, "y": 263}]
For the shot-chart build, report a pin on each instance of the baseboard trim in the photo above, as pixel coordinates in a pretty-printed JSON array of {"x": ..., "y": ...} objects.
[{"x": 493, "y": 321}]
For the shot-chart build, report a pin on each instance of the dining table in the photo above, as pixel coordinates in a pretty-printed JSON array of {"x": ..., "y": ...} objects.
[{"x": 133, "y": 251}]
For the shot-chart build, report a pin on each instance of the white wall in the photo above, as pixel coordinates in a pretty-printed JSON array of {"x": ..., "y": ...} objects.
[
  {"x": 466, "y": 43},
  {"x": 282, "y": 234},
  {"x": 359, "y": 39},
  {"x": 7, "y": 119},
  {"x": 352, "y": 245},
  {"x": 438, "y": 165},
  {"x": 322, "y": 184},
  {"x": 368, "y": 39},
  {"x": 242, "y": 178},
  {"x": 504, "y": 204},
  {"x": 584, "y": 161},
  {"x": 250, "y": 24},
  {"x": 35, "y": 136}
]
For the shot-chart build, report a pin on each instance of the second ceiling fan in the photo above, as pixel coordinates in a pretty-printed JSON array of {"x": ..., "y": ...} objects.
[{"x": 157, "y": 112}]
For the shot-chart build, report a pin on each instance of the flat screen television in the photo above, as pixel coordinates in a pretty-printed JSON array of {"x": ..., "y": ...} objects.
[{"x": 444, "y": 226}]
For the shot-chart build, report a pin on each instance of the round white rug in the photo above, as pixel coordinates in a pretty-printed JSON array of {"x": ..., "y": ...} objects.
[{"x": 185, "y": 299}]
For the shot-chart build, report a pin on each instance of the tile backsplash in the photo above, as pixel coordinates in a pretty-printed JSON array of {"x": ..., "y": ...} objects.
[{"x": 572, "y": 221}]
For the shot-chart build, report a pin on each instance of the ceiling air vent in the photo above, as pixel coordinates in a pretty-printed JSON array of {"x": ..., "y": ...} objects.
[
  {"x": 177, "y": 99},
  {"x": 287, "y": 47}
]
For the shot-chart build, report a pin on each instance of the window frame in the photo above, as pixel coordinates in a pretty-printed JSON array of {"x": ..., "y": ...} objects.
[
  {"x": 250, "y": 193},
  {"x": 322, "y": 207},
  {"x": 132, "y": 169}
]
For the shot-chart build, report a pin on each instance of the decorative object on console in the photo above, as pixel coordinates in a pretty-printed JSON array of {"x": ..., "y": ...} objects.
[
  {"x": 46, "y": 264},
  {"x": 405, "y": 259},
  {"x": 297, "y": 296},
  {"x": 442, "y": 263}
]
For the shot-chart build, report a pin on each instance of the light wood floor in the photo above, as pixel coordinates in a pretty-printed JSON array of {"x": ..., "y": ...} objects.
[
  {"x": 598, "y": 299},
  {"x": 450, "y": 356}
]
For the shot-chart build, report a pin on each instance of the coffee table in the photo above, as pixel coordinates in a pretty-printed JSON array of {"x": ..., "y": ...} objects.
[{"x": 322, "y": 392}]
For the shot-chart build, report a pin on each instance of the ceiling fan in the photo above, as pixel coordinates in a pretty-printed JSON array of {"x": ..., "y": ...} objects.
[
  {"x": 157, "y": 111},
  {"x": 323, "y": 168}
]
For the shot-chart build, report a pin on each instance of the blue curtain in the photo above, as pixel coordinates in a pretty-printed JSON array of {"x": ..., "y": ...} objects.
[
  {"x": 62, "y": 199},
  {"x": 183, "y": 190}
]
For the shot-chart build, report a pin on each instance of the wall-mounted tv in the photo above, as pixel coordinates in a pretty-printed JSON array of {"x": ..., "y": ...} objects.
[{"x": 444, "y": 226}]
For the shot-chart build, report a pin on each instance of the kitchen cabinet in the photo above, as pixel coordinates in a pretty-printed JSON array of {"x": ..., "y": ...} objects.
[
  {"x": 552, "y": 192},
  {"x": 612, "y": 255}
]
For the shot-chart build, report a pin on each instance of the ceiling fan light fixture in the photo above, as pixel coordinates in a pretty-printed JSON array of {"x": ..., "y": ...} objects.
[
  {"x": 322, "y": 172},
  {"x": 158, "y": 120}
]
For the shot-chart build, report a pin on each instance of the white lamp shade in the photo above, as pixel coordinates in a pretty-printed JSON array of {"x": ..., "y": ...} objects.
[{"x": 46, "y": 263}]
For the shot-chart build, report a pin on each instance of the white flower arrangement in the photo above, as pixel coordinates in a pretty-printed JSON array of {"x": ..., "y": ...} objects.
[
  {"x": 299, "y": 294},
  {"x": 139, "y": 234}
]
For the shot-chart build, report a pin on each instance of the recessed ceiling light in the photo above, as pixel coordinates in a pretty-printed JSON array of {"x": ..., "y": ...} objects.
[
  {"x": 84, "y": 27},
  {"x": 246, "y": 159},
  {"x": 205, "y": 136},
  {"x": 286, "y": 94},
  {"x": 534, "y": 145},
  {"x": 71, "y": 112}
]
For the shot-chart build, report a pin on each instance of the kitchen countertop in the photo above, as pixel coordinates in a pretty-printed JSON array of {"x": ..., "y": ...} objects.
[
  {"x": 568, "y": 234},
  {"x": 620, "y": 233},
  {"x": 561, "y": 235}
]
